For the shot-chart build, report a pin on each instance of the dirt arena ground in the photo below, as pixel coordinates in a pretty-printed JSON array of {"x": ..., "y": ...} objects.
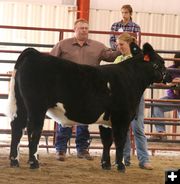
[{"x": 79, "y": 171}]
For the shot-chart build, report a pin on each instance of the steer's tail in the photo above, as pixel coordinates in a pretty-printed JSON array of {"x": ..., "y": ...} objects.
[
  {"x": 11, "y": 110},
  {"x": 11, "y": 104}
]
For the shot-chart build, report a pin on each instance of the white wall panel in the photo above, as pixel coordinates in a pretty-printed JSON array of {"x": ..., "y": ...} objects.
[
  {"x": 158, "y": 6},
  {"x": 149, "y": 23},
  {"x": 56, "y": 16},
  {"x": 34, "y": 15}
]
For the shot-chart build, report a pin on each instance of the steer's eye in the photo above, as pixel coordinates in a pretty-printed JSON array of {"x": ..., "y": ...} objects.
[{"x": 155, "y": 66}]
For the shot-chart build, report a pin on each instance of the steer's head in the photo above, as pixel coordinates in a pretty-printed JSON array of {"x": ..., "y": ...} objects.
[
  {"x": 155, "y": 60},
  {"x": 160, "y": 72}
]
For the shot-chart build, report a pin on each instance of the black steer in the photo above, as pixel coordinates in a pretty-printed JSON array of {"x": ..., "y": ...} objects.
[{"x": 85, "y": 93}]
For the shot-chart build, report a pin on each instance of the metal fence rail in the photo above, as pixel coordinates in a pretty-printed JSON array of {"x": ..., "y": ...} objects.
[{"x": 175, "y": 122}]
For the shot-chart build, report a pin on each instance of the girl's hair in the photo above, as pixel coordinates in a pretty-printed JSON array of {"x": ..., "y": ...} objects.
[
  {"x": 129, "y": 8},
  {"x": 127, "y": 38}
]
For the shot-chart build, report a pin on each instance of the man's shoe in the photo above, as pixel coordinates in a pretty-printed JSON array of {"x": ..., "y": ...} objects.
[
  {"x": 154, "y": 137},
  {"x": 146, "y": 166},
  {"x": 161, "y": 136},
  {"x": 84, "y": 154},
  {"x": 60, "y": 155}
]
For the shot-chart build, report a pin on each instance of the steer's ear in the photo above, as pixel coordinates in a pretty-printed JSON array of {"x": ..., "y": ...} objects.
[
  {"x": 148, "y": 52},
  {"x": 148, "y": 49},
  {"x": 135, "y": 49}
]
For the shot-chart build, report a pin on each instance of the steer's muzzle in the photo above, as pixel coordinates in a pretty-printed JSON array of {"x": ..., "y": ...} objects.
[{"x": 167, "y": 77}]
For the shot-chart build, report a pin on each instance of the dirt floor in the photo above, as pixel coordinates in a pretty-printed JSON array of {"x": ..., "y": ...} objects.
[{"x": 79, "y": 171}]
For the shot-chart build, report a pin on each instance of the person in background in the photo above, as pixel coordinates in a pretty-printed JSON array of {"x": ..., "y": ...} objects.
[
  {"x": 125, "y": 25},
  {"x": 158, "y": 111},
  {"x": 82, "y": 50},
  {"x": 137, "y": 125}
]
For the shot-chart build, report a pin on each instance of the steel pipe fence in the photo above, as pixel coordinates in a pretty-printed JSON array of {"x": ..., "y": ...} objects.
[{"x": 149, "y": 102}]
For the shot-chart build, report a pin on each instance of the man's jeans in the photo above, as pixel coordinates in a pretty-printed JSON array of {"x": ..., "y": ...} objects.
[
  {"x": 140, "y": 139},
  {"x": 63, "y": 134},
  {"x": 159, "y": 112}
]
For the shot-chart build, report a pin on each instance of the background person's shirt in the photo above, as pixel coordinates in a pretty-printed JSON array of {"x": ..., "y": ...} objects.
[
  {"x": 174, "y": 94},
  {"x": 91, "y": 53},
  {"x": 121, "y": 27}
]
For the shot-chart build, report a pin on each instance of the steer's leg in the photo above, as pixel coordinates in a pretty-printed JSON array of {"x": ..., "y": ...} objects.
[
  {"x": 34, "y": 129},
  {"x": 17, "y": 126},
  {"x": 119, "y": 129},
  {"x": 16, "y": 134},
  {"x": 120, "y": 125},
  {"x": 106, "y": 139}
]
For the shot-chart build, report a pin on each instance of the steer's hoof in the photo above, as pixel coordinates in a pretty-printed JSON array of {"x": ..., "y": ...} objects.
[
  {"x": 14, "y": 163},
  {"x": 106, "y": 166},
  {"x": 121, "y": 168},
  {"x": 34, "y": 165}
]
